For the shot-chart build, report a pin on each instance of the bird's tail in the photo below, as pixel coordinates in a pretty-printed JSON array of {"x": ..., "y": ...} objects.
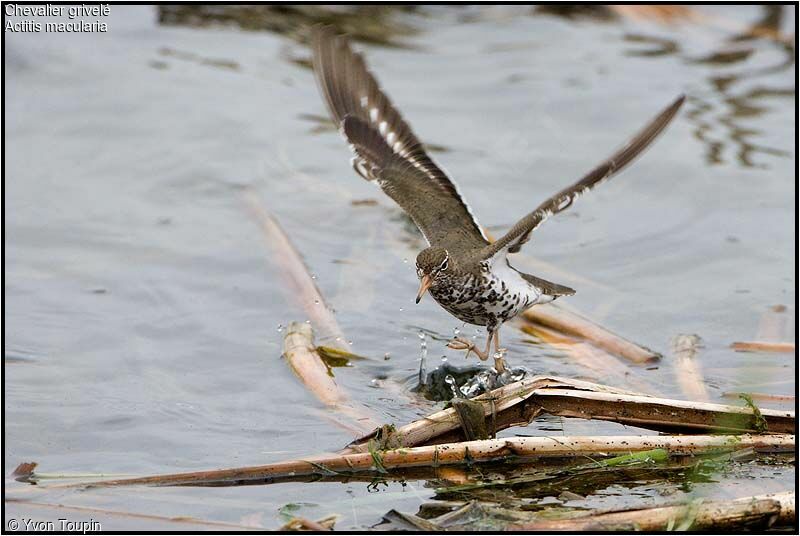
[{"x": 551, "y": 289}]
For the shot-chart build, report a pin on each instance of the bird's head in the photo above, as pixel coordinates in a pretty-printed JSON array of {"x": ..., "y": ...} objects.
[{"x": 431, "y": 263}]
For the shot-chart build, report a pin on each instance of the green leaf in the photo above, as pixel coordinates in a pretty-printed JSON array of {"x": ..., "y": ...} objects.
[
  {"x": 376, "y": 456},
  {"x": 760, "y": 422}
]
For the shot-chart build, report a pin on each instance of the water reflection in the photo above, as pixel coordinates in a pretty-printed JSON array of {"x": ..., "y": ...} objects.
[
  {"x": 375, "y": 24},
  {"x": 739, "y": 90},
  {"x": 659, "y": 46}
]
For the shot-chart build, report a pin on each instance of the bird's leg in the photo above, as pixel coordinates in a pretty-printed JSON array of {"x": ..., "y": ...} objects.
[
  {"x": 499, "y": 362},
  {"x": 462, "y": 343}
]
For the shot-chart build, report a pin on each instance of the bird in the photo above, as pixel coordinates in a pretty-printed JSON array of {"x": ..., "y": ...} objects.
[{"x": 468, "y": 275}]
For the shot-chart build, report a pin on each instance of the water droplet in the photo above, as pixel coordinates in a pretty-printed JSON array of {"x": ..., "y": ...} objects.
[
  {"x": 316, "y": 302},
  {"x": 421, "y": 335},
  {"x": 405, "y": 261},
  {"x": 456, "y": 332},
  {"x": 350, "y": 343},
  {"x": 280, "y": 328},
  {"x": 387, "y": 356},
  {"x": 313, "y": 276},
  {"x": 338, "y": 339},
  {"x": 444, "y": 359},
  {"x": 308, "y": 321},
  {"x": 401, "y": 309},
  {"x": 457, "y": 392}
]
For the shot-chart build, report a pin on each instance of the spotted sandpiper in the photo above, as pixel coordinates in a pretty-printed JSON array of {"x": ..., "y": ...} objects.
[{"x": 468, "y": 275}]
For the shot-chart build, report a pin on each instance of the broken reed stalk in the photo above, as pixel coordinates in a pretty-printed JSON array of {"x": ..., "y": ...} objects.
[
  {"x": 520, "y": 402},
  {"x": 760, "y": 397},
  {"x": 763, "y": 346},
  {"x": 304, "y": 360},
  {"x": 300, "y": 284},
  {"x": 562, "y": 320},
  {"x": 759, "y": 511},
  {"x": 687, "y": 369},
  {"x": 515, "y": 449},
  {"x": 662, "y": 414},
  {"x": 771, "y": 335},
  {"x": 597, "y": 363},
  {"x": 503, "y": 407},
  {"x": 299, "y": 349}
]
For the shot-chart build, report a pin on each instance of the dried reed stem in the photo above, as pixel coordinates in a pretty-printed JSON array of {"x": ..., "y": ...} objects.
[
  {"x": 758, "y": 511},
  {"x": 763, "y": 346},
  {"x": 520, "y": 402},
  {"x": 597, "y": 364},
  {"x": 305, "y": 362},
  {"x": 573, "y": 324},
  {"x": 299, "y": 283},
  {"x": 687, "y": 369},
  {"x": 760, "y": 397},
  {"x": 302, "y": 357},
  {"x": 506, "y": 449}
]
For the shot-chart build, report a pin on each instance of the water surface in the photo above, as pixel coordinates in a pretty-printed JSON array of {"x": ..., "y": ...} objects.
[{"x": 143, "y": 308}]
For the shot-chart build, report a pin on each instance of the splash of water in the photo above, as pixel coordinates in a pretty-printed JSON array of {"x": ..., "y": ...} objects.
[
  {"x": 422, "y": 357},
  {"x": 457, "y": 392}
]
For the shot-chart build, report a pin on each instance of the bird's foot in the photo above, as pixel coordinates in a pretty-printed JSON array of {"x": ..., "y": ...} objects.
[
  {"x": 460, "y": 343},
  {"x": 499, "y": 361}
]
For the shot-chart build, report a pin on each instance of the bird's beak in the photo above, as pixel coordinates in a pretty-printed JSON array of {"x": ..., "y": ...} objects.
[{"x": 424, "y": 285}]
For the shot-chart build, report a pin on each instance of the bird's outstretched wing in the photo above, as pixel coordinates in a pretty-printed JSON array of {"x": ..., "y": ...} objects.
[
  {"x": 513, "y": 240},
  {"x": 386, "y": 149}
]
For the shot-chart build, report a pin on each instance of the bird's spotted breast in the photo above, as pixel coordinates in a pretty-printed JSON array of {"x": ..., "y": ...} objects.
[{"x": 488, "y": 299}]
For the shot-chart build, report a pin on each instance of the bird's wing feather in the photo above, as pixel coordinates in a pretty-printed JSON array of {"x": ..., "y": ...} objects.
[
  {"x": 411, "y": 188},
  {"x": 513, "y": 240},
  {"x": 386, "y": 147}
]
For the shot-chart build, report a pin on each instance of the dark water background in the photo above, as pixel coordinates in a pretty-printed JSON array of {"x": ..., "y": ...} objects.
[{"x": 142, "y": 308}]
